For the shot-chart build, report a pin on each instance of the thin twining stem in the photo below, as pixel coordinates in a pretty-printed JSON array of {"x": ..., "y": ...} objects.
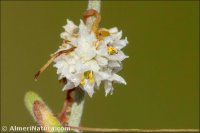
[
  {"x": 51, "y": 60},
  {"x": 63, "y": 117},
  {"x": 134, "y": 130},
  {"x": 89, "y": 13}
]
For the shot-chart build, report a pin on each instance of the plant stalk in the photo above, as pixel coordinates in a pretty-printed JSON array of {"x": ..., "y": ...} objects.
[{"x": 78, "y": 104}]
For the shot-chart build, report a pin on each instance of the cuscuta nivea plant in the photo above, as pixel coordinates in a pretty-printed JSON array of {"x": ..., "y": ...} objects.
[{"x": 88, "y": 57}]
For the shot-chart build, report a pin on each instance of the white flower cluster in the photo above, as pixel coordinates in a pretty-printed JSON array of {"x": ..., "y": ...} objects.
[{"x": 96, "y": 58}]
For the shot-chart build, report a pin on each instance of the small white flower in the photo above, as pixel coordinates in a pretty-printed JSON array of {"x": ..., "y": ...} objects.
[{"x": 96, "y": 58}]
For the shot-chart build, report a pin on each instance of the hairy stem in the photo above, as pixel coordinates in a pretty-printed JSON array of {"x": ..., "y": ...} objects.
[{"x": 78, "y": 104}]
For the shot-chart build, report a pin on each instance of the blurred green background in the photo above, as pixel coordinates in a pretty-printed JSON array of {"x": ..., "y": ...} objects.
[{"x": 162, "y": 72}]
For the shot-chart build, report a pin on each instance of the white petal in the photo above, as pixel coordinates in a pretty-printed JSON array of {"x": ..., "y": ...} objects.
[
  {"x": 70, "y": 26},
  {"x": 76, "y": 78},
  {"x": 64, "y": 35},
  {"x": 85, "y": 50},
  {"x": 105, "y": 42},
  {"x": 108, "y": 87},
  {"x": 118, "y": 57},
  {"x": 59, "y": 71},
  {"x": 73, "y": 42},
  {"x": 83, "y": 30},
  {"x": 80, "y": 67},
  {"x": 89, "y": 87},
  {"x": 120, "y": 43},
  {"x": 91, "y": 65},
  {"x": 102, "y": 52},
  {"x": 117, "y": 36},
  {"x": 99, "y": 76},
  {"x": 97, "y": 79},
  {"x": 65, "y": 71},
  {"x": 117, "y": 69},
  {"x": 72, "y": 69},
  {"x": 71, "y": 59},
  {"x": 117, "y": 79},
  {"x": 68, "y": 86},
  {"x": 101, "y": 60},
  {"x": 103, "y": 75},
  {"x": 113, "y": 30},
  {"x": 114, "y": 64},
  {"x": 58, "y": 64}
]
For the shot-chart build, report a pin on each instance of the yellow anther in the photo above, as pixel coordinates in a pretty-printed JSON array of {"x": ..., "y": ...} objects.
[
  {"x": 82, "y": 79},
  {"x": 112, "y": 50},
  {"x": 90, "y": 76}
]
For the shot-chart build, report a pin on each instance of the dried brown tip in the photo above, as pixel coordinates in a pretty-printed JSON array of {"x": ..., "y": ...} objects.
[
  {"x": 45, "y": 117},
  {"x": 51, "y": 60},
  {"x": 65, "y": 41},
  {"x": 37, "y": 75},
  {"x": 63, "y": 81},
  {"x": 36, "y": 110},
  {"x": 89, "y": 13}
]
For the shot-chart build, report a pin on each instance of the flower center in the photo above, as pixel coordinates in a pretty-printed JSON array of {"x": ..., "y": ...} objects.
[
  {"x": 111, "y": 50},
  {"x": 87, "y": 75}
]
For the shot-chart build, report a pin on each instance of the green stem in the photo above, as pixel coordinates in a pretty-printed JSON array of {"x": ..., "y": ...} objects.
[{"x": 78, "y": 105}]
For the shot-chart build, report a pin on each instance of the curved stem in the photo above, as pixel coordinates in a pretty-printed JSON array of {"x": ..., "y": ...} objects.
[
  {"x": 63, "y": 115},
  {"x": 90, "y": 13}
]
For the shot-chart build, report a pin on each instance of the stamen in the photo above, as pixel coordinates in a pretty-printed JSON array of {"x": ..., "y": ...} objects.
[
  {"x": 90, "y": 76},
  {"x": 87, "y": 75},
  {"x": 82, "y": 80},
  {"x": 112, "y": 50}
]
